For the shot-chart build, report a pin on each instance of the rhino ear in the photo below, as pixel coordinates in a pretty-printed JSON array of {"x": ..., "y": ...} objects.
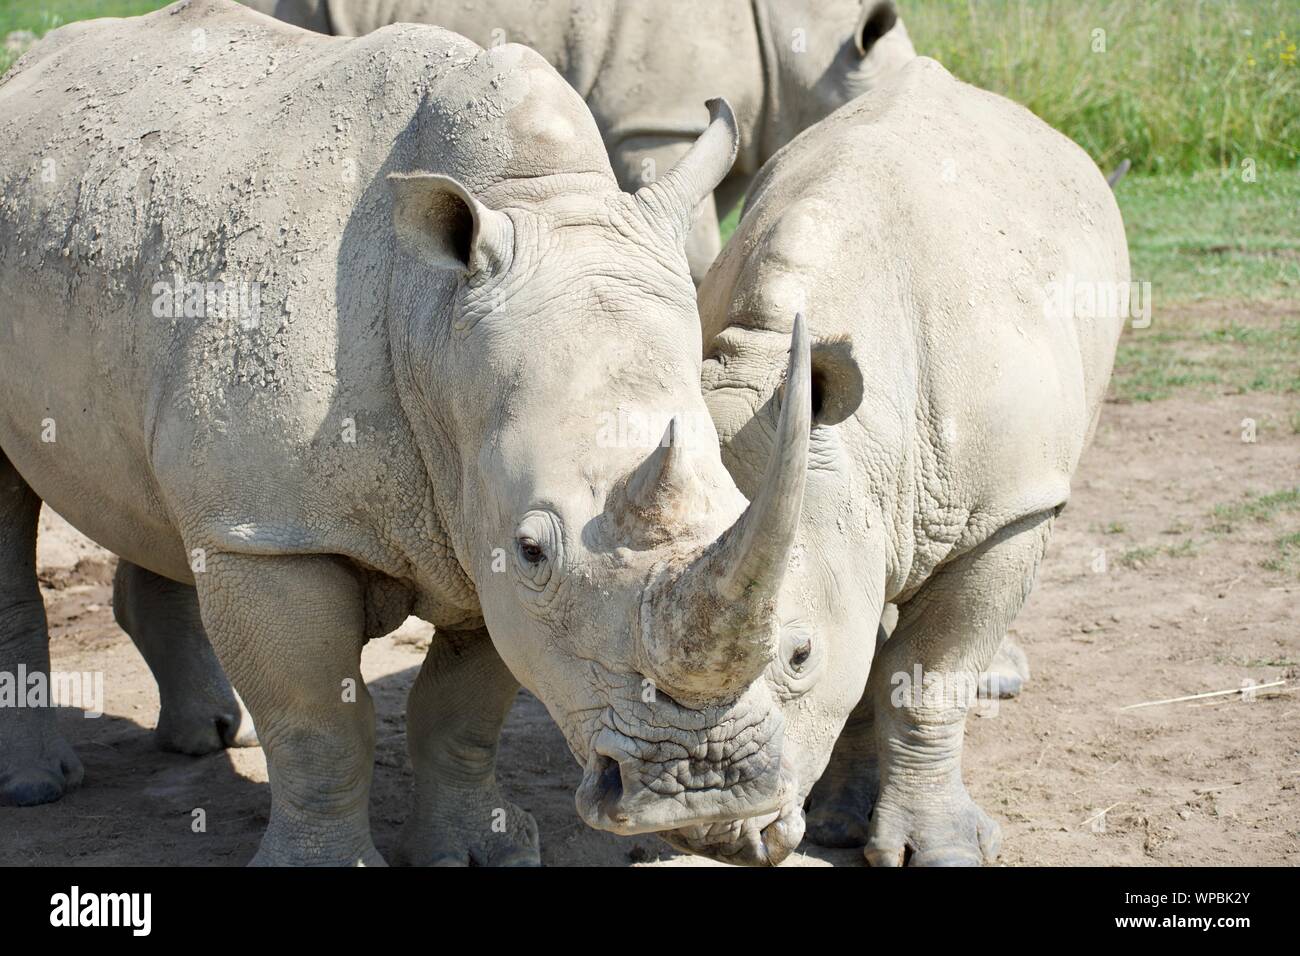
[
  {"x": 439, "y": 221},
  {"x": 837, "y": 385},
  {"x": 877, "y": 18}
]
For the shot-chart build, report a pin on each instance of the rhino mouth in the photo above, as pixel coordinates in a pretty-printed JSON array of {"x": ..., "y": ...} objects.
[
  {"x": 665, "y": 778},
  {"x": 757, "y": 841}
]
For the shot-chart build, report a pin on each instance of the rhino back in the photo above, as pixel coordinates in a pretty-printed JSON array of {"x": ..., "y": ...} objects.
[
  {"x": 638, "y": 71},
  {"x": 210, "y": 143},
  {"x": 925, "y": 223}
]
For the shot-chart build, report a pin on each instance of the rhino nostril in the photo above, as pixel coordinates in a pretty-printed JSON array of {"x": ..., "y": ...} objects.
[{"x": 610, "y": 788}]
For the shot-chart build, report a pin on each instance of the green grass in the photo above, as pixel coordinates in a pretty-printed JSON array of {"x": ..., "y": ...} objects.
[
  {"x": 1288, "y": 556},
  {"x": 42, "y": 16},
  {"x": 1214, "y": 248},
  {"x": 1152, "y": 365},
  {"x": 1265, "y": 509},
  {"x": 1258, "y": 508},
  {"x": 1182, "y": 85},
  {"x": 1214, "y": 236},
  {"x": 1135, "y": 558},
  {"x": 1251, "y": 510}
]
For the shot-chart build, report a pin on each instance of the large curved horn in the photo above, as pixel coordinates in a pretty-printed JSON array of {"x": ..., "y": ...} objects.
[
  {"x": 755, "y": 550},
  {"x": 675, "y": 196},
  {"x": 711, "y": 631}
]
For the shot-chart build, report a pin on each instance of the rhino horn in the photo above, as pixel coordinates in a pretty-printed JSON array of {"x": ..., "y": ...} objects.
[
  {"x": 676, "y": 195},
  {"x": 664, "y": 474},
  {"x": 711, "y": 631}
]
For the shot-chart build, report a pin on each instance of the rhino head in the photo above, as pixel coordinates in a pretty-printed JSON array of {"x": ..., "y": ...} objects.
[
  {"x": 781, "y": 261},
  {"x": 821, "y": 58},
  {"x": 626, "y": 582}
]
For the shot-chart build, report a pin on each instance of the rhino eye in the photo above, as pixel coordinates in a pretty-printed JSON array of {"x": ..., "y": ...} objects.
[
  {"x": 801, "y": 653},
  {"x": 539, "y": 550},
  {"x": 800, "y": 661},
  {"x": 531, "y": 551}
]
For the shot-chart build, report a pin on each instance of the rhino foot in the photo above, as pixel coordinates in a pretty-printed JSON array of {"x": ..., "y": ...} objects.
[
  {"x": 839, "y": 810},
  {"x": 200, "y": 712},
  {"x": 482, "y": 830},
  {"x": 457, "y": 706},
  {"x": 1006, "y": 673},
  {"x": 37, "y": 765},
  {"x": 841, "y": 802},
  {"x": 204, "y": 725},
  {"x": 271, "y": 855},
  {"x": 948, "y": 830}
]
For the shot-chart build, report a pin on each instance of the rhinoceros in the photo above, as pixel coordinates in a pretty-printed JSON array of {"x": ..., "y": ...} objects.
[
  {"x": 318, "y": 332},
  {"x": 952, "y": 254},
  {"x": 646, "y": 68}
]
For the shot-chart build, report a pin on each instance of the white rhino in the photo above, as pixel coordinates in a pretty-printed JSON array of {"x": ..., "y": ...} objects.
[
  {"x": 316, "y": 333},
  {"x": 646, "y": 68},
  {"x": 945, "y": 246}
]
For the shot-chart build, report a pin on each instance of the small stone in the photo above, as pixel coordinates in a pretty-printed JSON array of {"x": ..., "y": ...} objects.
[{"x": 639, "y": 854}]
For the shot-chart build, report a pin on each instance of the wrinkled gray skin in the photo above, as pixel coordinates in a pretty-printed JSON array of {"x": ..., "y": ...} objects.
[
  {"x": 455, "y": 296},
  {"x": 646, "y": 68},
  {"x": 921, "y": 229}
]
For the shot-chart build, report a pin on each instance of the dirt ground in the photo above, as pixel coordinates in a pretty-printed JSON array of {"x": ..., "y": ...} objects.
[{"x": 1145, "y": 594}]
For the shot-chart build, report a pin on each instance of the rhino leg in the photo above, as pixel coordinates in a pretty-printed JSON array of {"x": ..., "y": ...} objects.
[
  {"x": 289, "y": 632},
  {"x": 1002, "y": 679},
  {"x": 37, "y": 765},
  {"x": 841, "y": 801},
  {"x": 1006, "y": 673},
  {"x": 453, "y": 722},
  {"x": 949, "y": 630},
  {"x": 200, "y": 712}
]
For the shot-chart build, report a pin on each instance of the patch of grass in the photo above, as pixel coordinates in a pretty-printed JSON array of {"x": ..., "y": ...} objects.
[
  {"x": 1213, "y": 235},
  {"x": 1288, "y": 557},
  {"x": 1135, "y": 558},
  {"x": 1172, "y": 85},
  {"x": 42, "y": 16},
  {"x": 1145, "y": 373},
  {"x": 1227, "y": 346},
  {"x": 1227, "y": 518},
  {"x": 1253, "y": 507}
]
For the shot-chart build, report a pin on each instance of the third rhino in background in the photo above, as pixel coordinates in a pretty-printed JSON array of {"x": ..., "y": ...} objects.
[{"x": 646, "y": 69}]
